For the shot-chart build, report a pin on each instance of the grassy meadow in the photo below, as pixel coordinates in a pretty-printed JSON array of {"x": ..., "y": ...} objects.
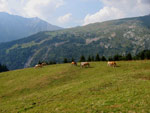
[{"x": 64, "y": 88}]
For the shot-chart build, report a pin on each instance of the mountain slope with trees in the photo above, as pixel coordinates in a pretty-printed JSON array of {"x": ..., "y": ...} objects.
[{"x": 123, "y": 36}]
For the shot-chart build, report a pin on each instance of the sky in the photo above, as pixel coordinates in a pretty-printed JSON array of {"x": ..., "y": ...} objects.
[{"x": 71, "y": 13}]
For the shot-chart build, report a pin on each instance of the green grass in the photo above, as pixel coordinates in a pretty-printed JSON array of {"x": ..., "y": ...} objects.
[{"x": 68, "y": 89}]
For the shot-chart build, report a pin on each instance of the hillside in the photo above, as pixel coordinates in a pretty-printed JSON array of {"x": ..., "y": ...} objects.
[
  {"x": 69, "y": 89},
  {"x": 14, "y": 27},
  {"x": 107, "y": 38}
]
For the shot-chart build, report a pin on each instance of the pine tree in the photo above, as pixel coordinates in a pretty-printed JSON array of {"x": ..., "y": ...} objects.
[
  {"x": 39, "y": 62},
  {"x": 72, "y": 59},
  {"x": 142, "y": 56},
  {"x": 92, "y": 59},
  {"x": 97, "y": 58},
  {"x": 3, "y": 68},
  {"x": 117, "y": 57},
  {"x": 89, "y": 58},
  {"x": 103, "y": 58},
  {"x": 82, "y": 59},
  {"x": 110, "y": 59},
  {"x": 147, "y": 54},
  {"x": 65, "y": 60},
  {"x": 129, "y": 56}
]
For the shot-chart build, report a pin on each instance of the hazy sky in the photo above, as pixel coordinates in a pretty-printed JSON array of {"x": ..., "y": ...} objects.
[{"x": 70, "y": 13}]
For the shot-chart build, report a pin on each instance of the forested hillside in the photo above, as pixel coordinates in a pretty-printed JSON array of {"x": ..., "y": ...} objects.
[{"x": 123, "y": 36}]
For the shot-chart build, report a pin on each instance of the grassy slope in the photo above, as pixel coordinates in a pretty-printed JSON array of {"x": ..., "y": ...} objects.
[{"x": 67, "y": 89}]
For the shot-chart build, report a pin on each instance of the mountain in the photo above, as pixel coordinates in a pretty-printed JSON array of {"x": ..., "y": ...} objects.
[
  {"x": 14, "y": 27},
  {"x": 106, "y": 38}
]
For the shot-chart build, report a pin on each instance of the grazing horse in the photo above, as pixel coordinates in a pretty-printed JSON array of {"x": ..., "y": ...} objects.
[
  {"x": 111, "y": 63},
  {"x": 38, "y": 66},
  {"x": 74, "y": 63},
  {"x": 85, "y": 64}
]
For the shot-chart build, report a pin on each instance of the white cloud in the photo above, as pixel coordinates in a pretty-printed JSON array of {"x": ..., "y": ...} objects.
[
  {"x": 3, "y": 6},
  {"x": 50, "y": 10},
  {"x": 31, "y": 8},
  {"x": 107, "y": 13},
  {"x": 115, "y": 9},
  {"x": 65, "y": 19},
  {"x": 40, "y": 8}
]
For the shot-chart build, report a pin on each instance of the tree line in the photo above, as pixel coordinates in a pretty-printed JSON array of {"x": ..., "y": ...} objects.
[{"x": 145, "y": 54}]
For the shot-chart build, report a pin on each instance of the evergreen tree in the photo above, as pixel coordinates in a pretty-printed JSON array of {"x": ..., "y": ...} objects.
[
  {"x": 142, "y": 56},
  {"x": 54, "y": 62},
  {"x": 72, "y": 59},
  {"x": 89, "y": 58},
  {"x": 3, "y": 68},
  {"x": 110, "y": 59},
  {"x": 103, "y": 58},
  {"x": 97, "y": 58},
  {"x": 39, "y": 62},
  {"x": 129, "y": 56},
  {"x": 92, "y": 59},
  {"x": 65, "y": 60},
  {"x": 147, "y": 54},
  {"x": 82, "y": 59},
  {"x": 117, "y": 57}
]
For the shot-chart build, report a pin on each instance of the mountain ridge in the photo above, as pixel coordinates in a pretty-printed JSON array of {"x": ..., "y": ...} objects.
[
  {"x": 13, "y": 27},
  {"x": 122, "y": 36}
]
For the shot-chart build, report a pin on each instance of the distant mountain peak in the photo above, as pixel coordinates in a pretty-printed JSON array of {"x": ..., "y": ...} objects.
[{"x": 14, "y": 27}]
